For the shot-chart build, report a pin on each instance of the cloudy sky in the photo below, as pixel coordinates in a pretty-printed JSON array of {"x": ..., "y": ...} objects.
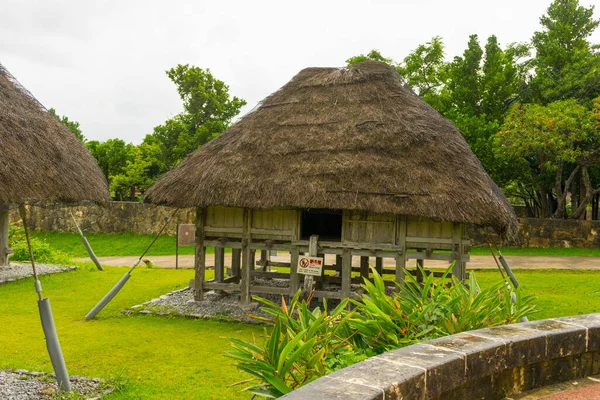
[{"x": 102, "y": 63}]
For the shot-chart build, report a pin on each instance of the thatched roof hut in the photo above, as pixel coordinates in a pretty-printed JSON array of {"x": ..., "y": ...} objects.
[
  {"x": 350, "y": 138},
  {"x": 41, "y": 161}
]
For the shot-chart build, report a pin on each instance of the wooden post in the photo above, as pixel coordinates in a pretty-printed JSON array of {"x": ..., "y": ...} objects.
[
  {"x": 364, "y": 267},
  {"x": 5, "y": 251},
  {"x": 247, "y": 259},
  {"x": 263, "y": 260},
  {"x": 236, "y": 255},
  {"x": 401, "y": 257},
  {"x": 346, "y": 273},
  {"x": 420, "y": 268},
  {"x": 220, "y": 263},
  {"x": 200, "y": 259},
  {"x": 400, "y": 266},
  {"x": 379, "y": 265},
  {"x": 459, "y": 270},
  {"x": 177, "y": 246},
  {"x": 313, "y": 248},
  {"x": 294, "y": 278}
]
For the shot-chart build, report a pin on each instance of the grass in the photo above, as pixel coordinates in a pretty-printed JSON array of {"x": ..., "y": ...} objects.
[
  {"x": 178, "y": 358},
  {"x": 535, "y": 251},
  {"x": 156, "y": 357},
  {"x": 112, "y": 244}
]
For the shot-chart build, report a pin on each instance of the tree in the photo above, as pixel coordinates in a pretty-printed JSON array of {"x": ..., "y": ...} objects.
[
  {"x": 72, "y": 125},
  {"x": 567, "y": 65},
  {"x": 424, "y": 69},
  {"x": 550, "y": 138},
  {"x": 133, "y": 179},
  {"x": 112, "y": 156},
  {"x": 373, "y": 55},
  {"x": 208, "y": 111}
]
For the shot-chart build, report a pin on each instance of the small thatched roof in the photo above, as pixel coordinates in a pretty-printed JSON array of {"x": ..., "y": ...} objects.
[
  {"x": 341, "y": 138},
  {"x": 41, "y": 161}
]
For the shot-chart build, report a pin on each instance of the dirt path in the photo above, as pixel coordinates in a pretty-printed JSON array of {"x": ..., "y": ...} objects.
[{"x": 477, "y": 262}]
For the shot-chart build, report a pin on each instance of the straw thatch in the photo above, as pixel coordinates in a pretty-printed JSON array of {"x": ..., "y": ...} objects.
[
  {"x": 341, "y": 138},
  {"x": 41, "y": 161}
]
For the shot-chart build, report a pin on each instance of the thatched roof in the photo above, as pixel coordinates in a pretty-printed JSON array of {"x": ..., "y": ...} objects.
[
  {"x": 41, "y": 161},
  {"x": 341, "y": 138}
]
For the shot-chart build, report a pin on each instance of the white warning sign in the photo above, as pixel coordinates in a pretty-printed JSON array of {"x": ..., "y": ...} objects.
[{"x": 310, "y": 265}]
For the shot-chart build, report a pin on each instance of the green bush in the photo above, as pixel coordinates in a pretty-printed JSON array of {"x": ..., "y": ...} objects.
[
  {"x": 304, "y": 345},
  {"x": 42, "y": 251}
]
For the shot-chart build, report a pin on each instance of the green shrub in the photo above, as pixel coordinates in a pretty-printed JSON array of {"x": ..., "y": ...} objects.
[
  {"x": 431, "y": 309},
  {"x": 42, "y": 251},
  {"x": 304, "y": 345}
]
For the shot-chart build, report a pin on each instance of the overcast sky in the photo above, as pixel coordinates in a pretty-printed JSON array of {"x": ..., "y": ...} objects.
[{"x": 102, "y": 63}]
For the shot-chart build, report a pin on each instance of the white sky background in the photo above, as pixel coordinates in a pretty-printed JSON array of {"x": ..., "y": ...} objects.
[{"x": 102, "y": 63}]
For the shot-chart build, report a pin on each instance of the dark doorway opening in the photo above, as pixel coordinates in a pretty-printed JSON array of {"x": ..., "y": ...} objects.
[{"x": 325, "y": 223}]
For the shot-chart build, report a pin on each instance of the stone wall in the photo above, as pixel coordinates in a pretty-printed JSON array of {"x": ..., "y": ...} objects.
[
  {"x": 488, "y": 364},
  {"x": 114, "y": 217},
  {"x": 147, "y": 219}
]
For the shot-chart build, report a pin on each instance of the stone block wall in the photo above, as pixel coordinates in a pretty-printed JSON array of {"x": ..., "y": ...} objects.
[
  {"x": 115, "y": 217},
  {"x": 488, "y": 364}
]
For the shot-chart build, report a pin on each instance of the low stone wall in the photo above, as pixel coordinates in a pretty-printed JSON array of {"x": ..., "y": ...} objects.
[
  {"x": 147, "y": 219},
  {"x": 488, "y": 363},
  {"x": 115, "y": 217}
]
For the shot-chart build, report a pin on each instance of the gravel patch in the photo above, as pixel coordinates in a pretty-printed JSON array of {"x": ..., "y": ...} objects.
[
  {"x": 25, "y": 385},
  {"x": 16, "y": 271},
  {"x": 218, "y": 305}
]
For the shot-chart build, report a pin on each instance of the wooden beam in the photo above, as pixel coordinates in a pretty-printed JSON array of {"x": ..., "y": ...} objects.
[{"x": 200, "y": 256}]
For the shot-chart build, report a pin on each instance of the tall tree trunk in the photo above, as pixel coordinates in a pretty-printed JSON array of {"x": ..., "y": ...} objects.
[
  {"x": 561, "y": 194},
  {"x": 586, "y": 196},
  {"x": 545, "y": 211}
]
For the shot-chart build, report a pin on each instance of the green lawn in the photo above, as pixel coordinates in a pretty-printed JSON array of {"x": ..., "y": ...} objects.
[
  {"x": 112, "y": 244},
  {"x": 158, "y": 357},
  {"x": 178, "y": 358}
]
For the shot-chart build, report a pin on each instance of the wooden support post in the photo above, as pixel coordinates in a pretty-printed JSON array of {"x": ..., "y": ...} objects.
[
  {"x": 364, "y": 267},
  {"x": 401, "y": 257},
  {"x": 247, "y": 259},
  {"x": 400, "y": 267},
  {"x": 459, "y": 270},
  {"x": 263, "y": 260},
  {"x": 200, "y": 258},
  {"x": 346, "y": 273},
  {"x": 338, "y": 262},
  {"x": 294, "y": 278},
  {"x": 5, "y": 251},
  {"x": 313, "y": 248},
  {"x": 220, "y": 263},
  {"x": 420, "y": 267},
  {"x": 236, "y": 255},
  {"x": 379, "y": 265}
]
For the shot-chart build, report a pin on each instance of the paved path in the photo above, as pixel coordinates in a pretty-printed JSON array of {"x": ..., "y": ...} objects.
[{"x": 477, "y": 262}]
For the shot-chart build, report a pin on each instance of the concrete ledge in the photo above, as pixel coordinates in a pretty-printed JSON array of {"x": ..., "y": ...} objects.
[{"x": 489, "y": 363}]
